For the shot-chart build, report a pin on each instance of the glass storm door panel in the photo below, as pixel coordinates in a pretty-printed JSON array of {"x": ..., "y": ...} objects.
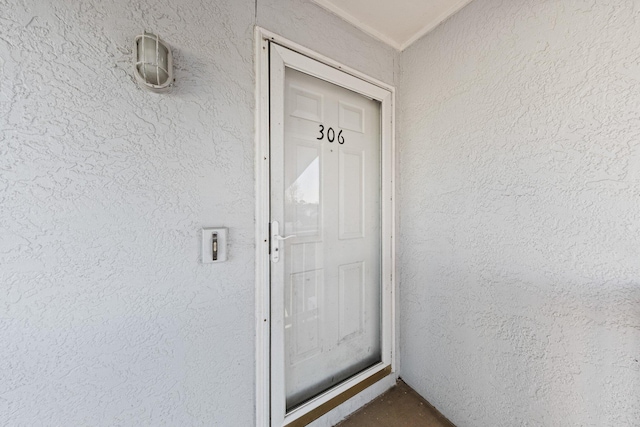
[{"x": 326, "y": 204}]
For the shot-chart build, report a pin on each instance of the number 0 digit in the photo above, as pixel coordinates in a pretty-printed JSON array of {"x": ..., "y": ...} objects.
[{"x": 331, "y": 135}]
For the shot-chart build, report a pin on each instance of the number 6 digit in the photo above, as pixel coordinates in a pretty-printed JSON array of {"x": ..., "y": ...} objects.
[{"x": 340, "y": 137}]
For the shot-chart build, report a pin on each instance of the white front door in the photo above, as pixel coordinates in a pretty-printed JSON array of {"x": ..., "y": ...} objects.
[{"x": 327, "y": 257}]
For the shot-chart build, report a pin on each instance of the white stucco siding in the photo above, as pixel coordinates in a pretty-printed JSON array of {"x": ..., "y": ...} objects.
[
  {"x": 107, "y": 315},
  {"x": 519, "y": 148}
]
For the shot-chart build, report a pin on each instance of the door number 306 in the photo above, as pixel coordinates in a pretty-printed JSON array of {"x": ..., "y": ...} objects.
[{"x": 331, "y": 135}]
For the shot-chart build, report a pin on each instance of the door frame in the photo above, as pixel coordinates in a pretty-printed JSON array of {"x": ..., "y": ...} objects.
[{"x": 386, "y": 95}]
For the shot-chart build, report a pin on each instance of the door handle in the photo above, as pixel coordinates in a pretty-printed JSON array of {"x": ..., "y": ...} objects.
[
  {"x": 285, "y": 238},
  {"x": 276, "y": 238}
]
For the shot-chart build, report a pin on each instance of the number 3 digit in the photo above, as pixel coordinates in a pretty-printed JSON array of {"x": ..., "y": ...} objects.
[{"x": 321, "y": 132}]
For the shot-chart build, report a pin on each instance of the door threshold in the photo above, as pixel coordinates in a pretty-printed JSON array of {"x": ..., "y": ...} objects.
[{"x": 336, "y": 401}]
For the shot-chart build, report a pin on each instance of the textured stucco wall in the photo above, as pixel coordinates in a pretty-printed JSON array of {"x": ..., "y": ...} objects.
[
  {"x": 106, "y": 315},
  {"x": 519, "y": 146}
]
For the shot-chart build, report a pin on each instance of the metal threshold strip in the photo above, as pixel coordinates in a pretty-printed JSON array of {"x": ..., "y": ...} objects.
[{"x": 316, "y": 413}]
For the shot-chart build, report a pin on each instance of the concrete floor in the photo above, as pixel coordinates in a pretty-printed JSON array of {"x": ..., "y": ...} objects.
[{"x": 401, "y": 406}]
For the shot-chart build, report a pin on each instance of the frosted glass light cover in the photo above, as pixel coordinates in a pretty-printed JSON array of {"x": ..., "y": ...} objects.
[{"x": 154, "y": 65}]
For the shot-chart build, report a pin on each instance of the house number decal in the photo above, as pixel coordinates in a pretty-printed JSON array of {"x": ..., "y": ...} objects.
[{"x": 331, "y": 135}]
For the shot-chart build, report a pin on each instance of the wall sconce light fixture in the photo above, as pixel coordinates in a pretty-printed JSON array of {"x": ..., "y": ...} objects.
[{"x": 154, "y": 64}]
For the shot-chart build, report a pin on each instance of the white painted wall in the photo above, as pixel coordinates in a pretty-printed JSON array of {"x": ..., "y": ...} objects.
[
  {"x": 106, "y": 316},
  {"x": 519, "y": 155}
]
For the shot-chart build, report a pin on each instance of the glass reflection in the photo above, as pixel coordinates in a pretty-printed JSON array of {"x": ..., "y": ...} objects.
[{"x": 303, "y": 194}]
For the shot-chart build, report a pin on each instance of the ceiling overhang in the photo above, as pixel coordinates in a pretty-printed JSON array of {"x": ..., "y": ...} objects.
[{"x": 397, "y": 23}]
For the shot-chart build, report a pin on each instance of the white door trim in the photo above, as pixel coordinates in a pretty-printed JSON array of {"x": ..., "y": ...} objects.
[{"x": 386, "y": 95}]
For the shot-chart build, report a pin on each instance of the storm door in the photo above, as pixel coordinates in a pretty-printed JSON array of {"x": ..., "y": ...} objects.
[{"x": 326, "y": 233}]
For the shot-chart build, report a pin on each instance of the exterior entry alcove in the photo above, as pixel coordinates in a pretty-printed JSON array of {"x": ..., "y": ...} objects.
[{"x": 518, "y": 173}]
